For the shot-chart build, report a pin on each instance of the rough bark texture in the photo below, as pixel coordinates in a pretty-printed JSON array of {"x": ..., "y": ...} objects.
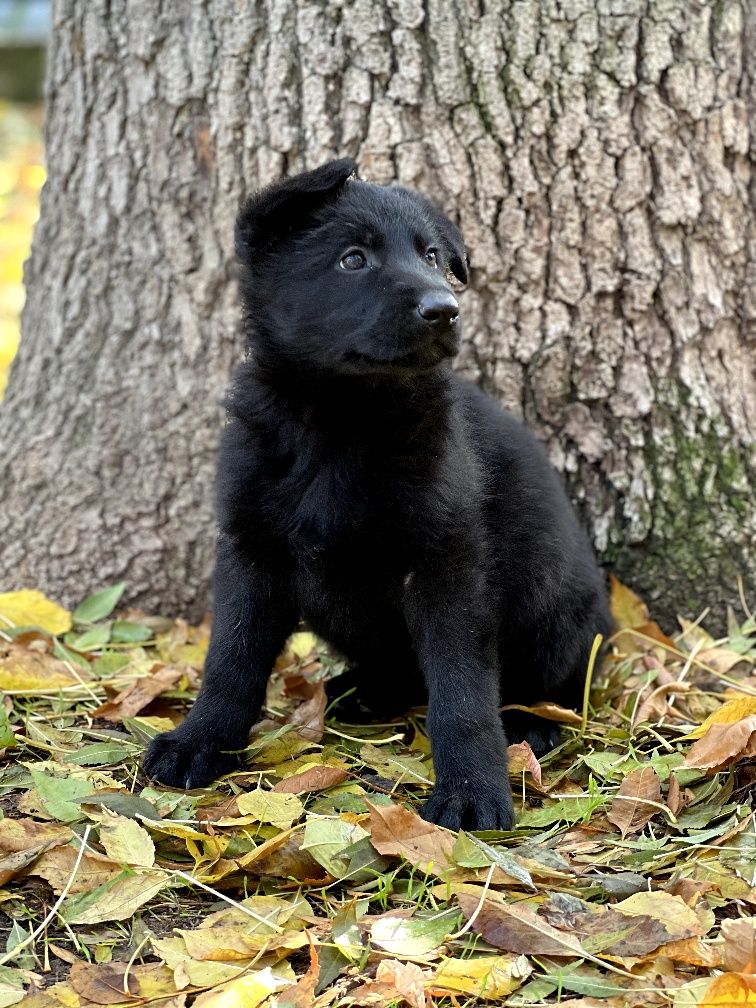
[{"x": 596, "y": 153}]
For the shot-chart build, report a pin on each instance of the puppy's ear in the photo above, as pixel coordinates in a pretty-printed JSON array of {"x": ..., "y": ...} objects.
[
  {"x": 281, "y": 208},
  {"x": 451, "y": 237}
]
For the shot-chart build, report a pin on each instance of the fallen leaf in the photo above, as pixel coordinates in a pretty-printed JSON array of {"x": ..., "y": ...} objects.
[
  {"x": 278, "y": 809},
  {"x": 32, "y": 608},
  {"x": 31, "y": 672},
  {"x": 516, "y": 928},
  {"x": 739, "y": 952},
  {"x": 140, "y": 693},
  {"x": 521, "y": 759},
  {"x": 106, "y": 983},
  {"x": 731, "y": 711},
  {"x": 302, "y": 994},
  {"x": 115, "y": 900},
  {"x": 126, "y": 842},
  {"x": 679, "y": 919},
  {"x": 327, "y": 840},
  {"x": 317, "y": 778},
  {"x": 636, "y": 802},
  {"x": 730, "y": 990},
  {"x": 56, "y": 867},
  {"x": 99, "y": 605},
  {"x": 628, "y": 609},
  {"x": 489, "y": 977},
  {"x": 549, "y": 711},
  {"x": 724, "y": 744},
  {"x": 398, "y": 831},
  {"x": 248, "y": 991},
  {"x": 395, "y": 982},
  {"x": 414, "y": 937}
]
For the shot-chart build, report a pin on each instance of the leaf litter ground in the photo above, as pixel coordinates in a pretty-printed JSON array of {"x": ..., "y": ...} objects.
[{"x": 309, "y": 878}]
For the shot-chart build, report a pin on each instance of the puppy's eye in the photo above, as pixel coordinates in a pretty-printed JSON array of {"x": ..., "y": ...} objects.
[
  {"x": 430, "y": 255},
  {"x": 353, "y": 261}
]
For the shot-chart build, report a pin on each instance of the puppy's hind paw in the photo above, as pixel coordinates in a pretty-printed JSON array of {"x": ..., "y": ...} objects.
[
  {"x": 181, "y": 763},
  {"x": 470, "y": 805}
]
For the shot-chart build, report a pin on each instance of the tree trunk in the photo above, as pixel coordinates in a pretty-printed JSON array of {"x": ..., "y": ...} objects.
[{"x": 596, "y": 153}]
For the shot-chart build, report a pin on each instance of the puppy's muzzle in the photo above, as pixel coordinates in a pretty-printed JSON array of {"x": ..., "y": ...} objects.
[{"x": 438, "y": 308}]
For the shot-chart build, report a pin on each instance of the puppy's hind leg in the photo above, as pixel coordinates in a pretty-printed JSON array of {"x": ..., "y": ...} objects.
[{"x": 253, "y": 616}]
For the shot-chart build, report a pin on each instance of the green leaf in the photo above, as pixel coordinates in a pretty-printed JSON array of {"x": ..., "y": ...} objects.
[
  {"x": 110, "y": 663},
  {"x": 126, "y": 632},
  {"x": 414, "y": 937},
  {"x": 7, "y": 738},
  {"x": 591, "y": 986},
  {"x": 124, "y": 804},
  {"x": 568, "y": 810},
  {"x": 91, "y": 640},
  {"x": 60, "y": 795},
  {"x": 101, "y": 754},
  {"x": 473, "y": 851},
  {"x": 98, "y": 606},
  {"x": 327, "y": 841}
]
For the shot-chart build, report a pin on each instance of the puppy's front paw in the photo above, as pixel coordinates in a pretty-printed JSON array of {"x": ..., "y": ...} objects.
[
  {"x": 179, "y": 762},
  {"x": 470, "y": 805}
]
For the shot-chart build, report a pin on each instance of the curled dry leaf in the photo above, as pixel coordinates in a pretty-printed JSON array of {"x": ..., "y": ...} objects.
[
  {"x": 141, "y": 692},
  {"x": 723, "y": 745},
  {"x": 394, "y": 982},
  {"x": 522, "y": 759},
  {"x": 637, "y": 801},
  {"x": 730, "y": 990}
]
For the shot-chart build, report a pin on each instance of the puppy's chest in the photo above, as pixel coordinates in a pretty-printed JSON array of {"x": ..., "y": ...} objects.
[{"x": 348, "y": 511}]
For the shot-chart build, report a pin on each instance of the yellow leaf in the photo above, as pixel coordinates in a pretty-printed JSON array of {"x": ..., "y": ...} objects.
[
  {"x": 32, "y": 608},
  {"x": 674, "y": 913},
  {"x": 730, "y": 990},
  {"x": 28, "y": 672},
  {"x": 277, "y": 808},
  {"x": 302, "y": 644},
  {"x": 628, "y": 609},
  {"x": 126, "y": 842},
  {"x": 489, "y": 977},
  {"x": 730, "y": 712},
  {"x": 116, "y": 900},
  {"x": 250, "y": 990}
]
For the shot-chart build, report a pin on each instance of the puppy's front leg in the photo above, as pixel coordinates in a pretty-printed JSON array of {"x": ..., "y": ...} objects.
[
  {"x": 455, "y": 646},
  {"x": 253, "y": 615}
]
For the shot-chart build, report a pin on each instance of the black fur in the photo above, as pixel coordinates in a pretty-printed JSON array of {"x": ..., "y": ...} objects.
[{"x": 367, "y": 488}]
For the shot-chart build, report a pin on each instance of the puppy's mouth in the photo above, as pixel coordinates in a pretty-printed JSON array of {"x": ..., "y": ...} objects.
[{"x": 442, "y": 345}]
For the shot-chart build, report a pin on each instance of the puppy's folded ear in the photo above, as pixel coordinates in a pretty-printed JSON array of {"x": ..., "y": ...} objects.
[
  {"x": 452, "y": 242},
  {"x": 284, "y": 206}
]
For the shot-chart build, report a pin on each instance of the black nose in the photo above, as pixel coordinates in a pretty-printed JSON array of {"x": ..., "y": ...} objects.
[{"x": 438, "y": 307}]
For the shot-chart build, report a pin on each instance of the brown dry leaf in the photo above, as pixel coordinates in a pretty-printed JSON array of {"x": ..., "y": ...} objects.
[
  {"x": 516, "y": 928},
  {"x": 734, "y": 710},
  {"x": 692, "y": 951},
  {"x": 655, "y": 705},
  {"x": 522, "y": 759},
  {"x": 730, "y": 990},
  {"x": 317, "y": 778},
  {"x": 30, "y": 672},
  {"x": 394, "y": 982},
  {"x": 720, "y": 659},
  {"x": 141, "y": 692},
  {"x": 104, "y": 983},
  {"x": 56, "y": 867},
  {"x": 674, "y": 795},
  {"x": 623, "y": 936},
  {"x": 549, "y": 711},
  {"x": 739, "y": 952},
  {"x": 724, "y": 744},
  {"x": 20, "y": 834},
  {"x": 283, "y": 857},
  {"x": 302, "y": 994},
  {"x": 309, "y": 717},
  {"x": 398, "y": 831},
  {"x": 637, "y": 801},
  {"x": 12, "y": 864}
]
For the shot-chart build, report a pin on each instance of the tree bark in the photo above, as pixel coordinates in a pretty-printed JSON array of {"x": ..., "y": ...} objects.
[{"x": 599, "y": 157}]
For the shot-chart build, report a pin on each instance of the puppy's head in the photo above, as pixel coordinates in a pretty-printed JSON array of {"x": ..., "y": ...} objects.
[{"x": 347, "y": 276}]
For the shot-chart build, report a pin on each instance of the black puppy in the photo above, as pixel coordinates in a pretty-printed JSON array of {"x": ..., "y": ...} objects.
[{"x": 367, "y": 488}]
